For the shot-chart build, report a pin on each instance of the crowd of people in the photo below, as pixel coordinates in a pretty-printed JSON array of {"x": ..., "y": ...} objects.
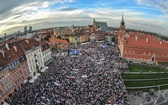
[{"x": 90, "y": 78}]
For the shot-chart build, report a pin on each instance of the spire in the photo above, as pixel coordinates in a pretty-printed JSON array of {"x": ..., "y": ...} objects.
[
  {"x": 122, "y": 17},
  {"x": 122, "y": 21},
  {"x": 94, "y": 20}
]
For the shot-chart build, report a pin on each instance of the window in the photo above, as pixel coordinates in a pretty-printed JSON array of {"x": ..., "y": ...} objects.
[
  {"x": 133, "y": 52},
  {"x": 162, "y": 55},
  {"x": 129, "y": 52},
  {"x": 157, "y": 55},
  {"x": 149, "y": 53},
  {"x": 144, "y": 53},
  {"x": 0, "y": 93},
  {"x": 125, "y": 51},
  {"x": 138, "y": 52}
]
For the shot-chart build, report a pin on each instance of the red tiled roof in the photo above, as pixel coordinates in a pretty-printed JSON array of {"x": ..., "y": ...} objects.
[
  {"x": 44, "y": 45},
  {"x": 141, "y": 40},
  {"x": 31, "y": 43},
  {"x": 62, "y": 47},
  {"x": 10, "y": 55},
  {"x": 3, "y": 61},
  {"x": 58, "y": 40},
  {"x": 16, "y": 50}
]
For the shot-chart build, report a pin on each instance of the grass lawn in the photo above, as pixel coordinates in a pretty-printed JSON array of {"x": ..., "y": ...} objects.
[
  {"x": 144, "y": 76},
  {"x": 145, "y": 83},
  {"x": 163, "y": 63},
  {"x": 164, "y": 87},
  {"x": 134, "y": 68}
]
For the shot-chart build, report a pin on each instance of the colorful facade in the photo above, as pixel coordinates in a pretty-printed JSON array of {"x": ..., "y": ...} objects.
[{"x": 15, "y": 67}]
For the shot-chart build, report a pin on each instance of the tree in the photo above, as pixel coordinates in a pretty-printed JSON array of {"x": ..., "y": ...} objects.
[
  {"x": 113, "y": 39},
  {"x": 59, "y": 37},
  {"x": 47, "y": 37}
]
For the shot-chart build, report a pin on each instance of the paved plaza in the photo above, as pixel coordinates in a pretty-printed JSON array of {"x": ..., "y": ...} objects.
[
  {"x": 90, "y": 78},
  {"x": 144, "y": 98}
]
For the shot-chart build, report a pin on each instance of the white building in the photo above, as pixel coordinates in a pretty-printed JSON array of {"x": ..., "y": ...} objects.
[
  {"x": 34, "y": 56},
  {"x": 46, "y": 51}
]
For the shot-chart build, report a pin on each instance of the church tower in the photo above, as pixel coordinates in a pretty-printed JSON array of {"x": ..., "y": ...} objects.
[
  {"x": 122, "y": 39},
  {"x": 122, "y": 25}
]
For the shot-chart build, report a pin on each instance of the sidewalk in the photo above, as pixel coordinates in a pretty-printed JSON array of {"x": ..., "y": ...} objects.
[{"x": 136, "y": 100}]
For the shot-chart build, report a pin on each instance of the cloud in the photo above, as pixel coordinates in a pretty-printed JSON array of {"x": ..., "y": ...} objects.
[
  {"x": 41, "y": 14},
  {"x": 67, "y": 9},
  {"x": 159, "y": 4},
  {"x": 47, "y": 18},
  {"x": 24, "y": 10}
]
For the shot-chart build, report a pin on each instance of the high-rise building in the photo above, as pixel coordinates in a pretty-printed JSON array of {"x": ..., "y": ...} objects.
[
  {"x": 30, "y": 29},
  {"x": 25, "y": 29}
]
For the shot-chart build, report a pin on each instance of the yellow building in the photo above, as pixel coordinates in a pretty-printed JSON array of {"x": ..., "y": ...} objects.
[{"x": 62, "y": 31}]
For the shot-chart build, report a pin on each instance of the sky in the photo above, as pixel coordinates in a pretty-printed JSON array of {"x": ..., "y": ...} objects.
[{"x": 147, "y": 15}]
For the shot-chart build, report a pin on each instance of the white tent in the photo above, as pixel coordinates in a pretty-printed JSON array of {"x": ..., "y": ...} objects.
[
  {"x": 35, "y": 77},
  {"x": 38, "y": 74},
  {"x": 46, "y": 67},
  {"x": 31, "y": 80},
  {"x": 43, "y": 70},
  {"x": 5, "y": 103}
]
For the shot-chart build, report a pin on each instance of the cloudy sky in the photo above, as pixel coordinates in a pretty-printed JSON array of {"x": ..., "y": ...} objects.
[{"x": 149, "y": 15}]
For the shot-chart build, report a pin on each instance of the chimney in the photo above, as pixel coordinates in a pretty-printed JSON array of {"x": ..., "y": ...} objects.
[
  {"x": 15, "y": 48},
  {"x": 3, "y": 53},
  {"x": 136, "y": 38},
  {"x": 27, "y": 41},
  {"x": 160, "y": 42},
  {"x": 147, "y": 40},
  {"x": 7, "y": 46}
]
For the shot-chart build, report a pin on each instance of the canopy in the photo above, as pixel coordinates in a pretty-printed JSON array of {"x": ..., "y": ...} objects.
[
  {"x": 46, "y": 67},
  {"x": 38, "y": 74},
  {"x": 5, "y": 103},
  {"x": 31, "y": 80},
  {"x": 35, "y": 77},
  {"x": 42, "y": 70}
]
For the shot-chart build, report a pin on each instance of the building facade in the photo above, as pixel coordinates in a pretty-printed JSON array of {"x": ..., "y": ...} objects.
[
  {"x": 59, "y": 31},
  {"x": 46, "y": 52},
  {"x": 100, "y": 26},
  {"x": 18, "y": 61},
  {"x": 59, "y": 43},
  {"x": 141, "y": 47},
  {"x": 33, "y": 53}
]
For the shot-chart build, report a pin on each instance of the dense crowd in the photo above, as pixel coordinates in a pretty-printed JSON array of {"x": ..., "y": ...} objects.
[{"x": 86, "y": 79}]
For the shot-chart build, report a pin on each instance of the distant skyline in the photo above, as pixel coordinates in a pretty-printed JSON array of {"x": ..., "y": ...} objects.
[{"x": 148, "y": 15}]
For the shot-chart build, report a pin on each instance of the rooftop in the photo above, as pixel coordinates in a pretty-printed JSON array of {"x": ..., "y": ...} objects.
[
  {"x": 141, "y": 39},
  {"x": 58, "y": 40}
]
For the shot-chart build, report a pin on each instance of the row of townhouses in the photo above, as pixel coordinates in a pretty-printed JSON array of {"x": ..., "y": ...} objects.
[{"x": 20, "y": 61}]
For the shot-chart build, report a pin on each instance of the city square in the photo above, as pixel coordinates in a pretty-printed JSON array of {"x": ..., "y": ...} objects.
[{"x": 86, "y": 79}]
